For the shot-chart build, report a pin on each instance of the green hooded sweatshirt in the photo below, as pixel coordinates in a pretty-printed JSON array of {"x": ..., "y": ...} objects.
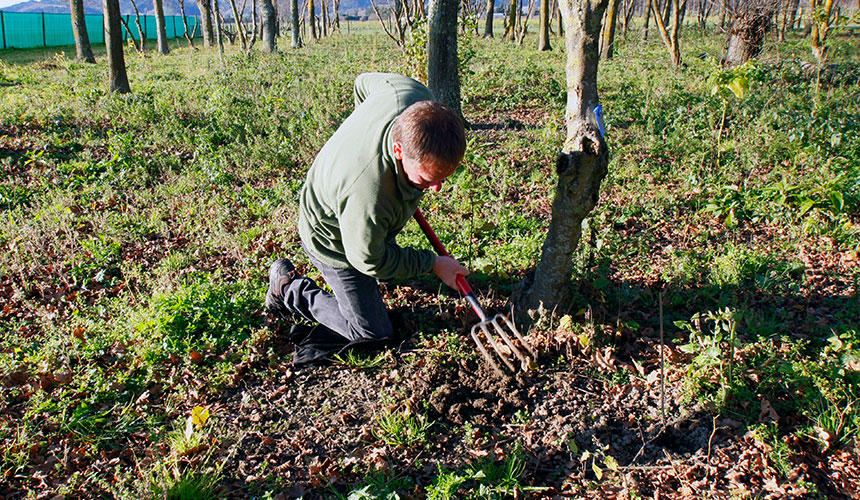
[{"x": 356, "y": 197}]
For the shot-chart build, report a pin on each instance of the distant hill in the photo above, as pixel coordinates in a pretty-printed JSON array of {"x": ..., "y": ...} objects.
[{"x": 171, "y": 7}]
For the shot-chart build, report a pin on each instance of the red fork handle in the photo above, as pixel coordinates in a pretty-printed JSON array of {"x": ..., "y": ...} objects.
[{"x": 462, "y": 284}]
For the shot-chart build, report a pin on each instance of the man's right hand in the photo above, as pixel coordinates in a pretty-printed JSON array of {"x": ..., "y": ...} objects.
[{"x": 447, "y": 269}]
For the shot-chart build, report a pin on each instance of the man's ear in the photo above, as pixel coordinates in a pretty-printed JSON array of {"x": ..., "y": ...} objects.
[{"x": 398, "y": 151}]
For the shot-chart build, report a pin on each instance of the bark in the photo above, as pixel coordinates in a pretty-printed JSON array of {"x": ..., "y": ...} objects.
[
  {"x": 205, "y": 7},
  {"x": 140, "y": 32},
  {"x": 488, "y": 22},
  {"x": 443, "y": 75},
  {"x": 117, "y": 77},
  {"x": 607, "y": 38},
  {"x": 161, "y": 42},
  {"x": 524, "y": 23},
  {"x": 647, "y": 19},
  {"x": 296, "y": 41},
  {"x": 543, "y": 39},
  {"x": 218, "y": 30},
  {"x": 511, "y": 25},
  {"x": 269, "y": 27},
  {"x": 581, "y": 165},
  {"x": 240, "y": 31},
  {"x": 83, "y": 51},
  {"x": 324, "y": 17},
  {"x": 669, "y": 34},
  {"x": 312, "y": 20},
  {"x": 819, "y": 29},
  {"x": 750, "y": 24},
  {"x": 189, "y": 37}
]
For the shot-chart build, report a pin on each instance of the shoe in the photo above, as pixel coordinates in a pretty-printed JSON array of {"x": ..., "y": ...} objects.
[{"x": 281, "y": 273}]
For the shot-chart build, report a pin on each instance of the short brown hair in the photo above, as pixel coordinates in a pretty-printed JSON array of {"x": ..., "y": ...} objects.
[{"x": 431, "y": 133}]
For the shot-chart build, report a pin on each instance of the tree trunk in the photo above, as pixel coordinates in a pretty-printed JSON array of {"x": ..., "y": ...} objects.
[
  {"x": 206, "y": 18},
  {"x": 819, "y": 28},
  {"x": 218, "y": 38},
  {"x": 746, "y": 36},
  {"x": 560, "y": 20},
  {"x": 189, "y": 37},
  {"x": 543, "y": 39},
  {"x": 269, "y": 27},
  {"x": 488, "y": 22},
  {"x": 161, "y": 42},
  {"x": 140, "y": 31},
  {"x": 647, "y": 19},
  {"x": 117, "y": 77},
  {"x": 83, "y": 50},
  {"x": 312, "y": 20},
  {"x": 607, "y": 38},
  {"x": 443, "y": 76},
  {"x": 670, "y": 34},
  {"x": 296, "y": 41},
  {"x": 511, "y": 24},
  {"x": 324, "y": 17},
  {"x": 581, "y": 165}
]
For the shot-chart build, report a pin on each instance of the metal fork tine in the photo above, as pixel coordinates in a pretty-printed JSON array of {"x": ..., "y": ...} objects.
[
  {"x": 486, "y": 354},
  {"x": 523, "y": 360},
  {"x": 520, "y": 337},
  {"x": 489, "y": 336}
]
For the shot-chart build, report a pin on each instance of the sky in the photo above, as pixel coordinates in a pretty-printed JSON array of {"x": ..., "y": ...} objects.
[{"x": 6, "y": 3}]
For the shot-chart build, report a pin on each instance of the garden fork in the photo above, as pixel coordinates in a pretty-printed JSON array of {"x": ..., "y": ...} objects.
[{"x": 487, "y": 326}]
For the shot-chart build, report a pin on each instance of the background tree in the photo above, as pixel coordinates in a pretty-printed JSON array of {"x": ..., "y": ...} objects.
[
  {"x": 269, "y": 26},
  {"x": 205, "y": 7},
  {"x": 607, "y": 34},
  {"x": 669, "y": 33},
  {"x": 218, "y": 30},
  {"x": 117, "y": 77},
  {"x": 296, "y": 41},
  {"x": 750, "y": 21},
  {"x": 140, "y": 32},
  {"x": 821, "y": 20},
  {"x": 83, "y": 51},
  {"x": 188, "y": 36},
  {"x": 488, "y": 20},
  {"x": 312, "y": 20},
  {"x": 161, "y": 42},
  {"x": 443, "y": 76},
  {"x": 543, "y": 38},
  {"x": 581, "y": 165}
]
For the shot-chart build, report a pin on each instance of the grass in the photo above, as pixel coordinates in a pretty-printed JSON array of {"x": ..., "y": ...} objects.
[{"x": 136, "y": 230}]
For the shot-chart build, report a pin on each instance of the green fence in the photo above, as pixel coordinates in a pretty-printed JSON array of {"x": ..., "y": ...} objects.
[{"x": 22, "y": 30}]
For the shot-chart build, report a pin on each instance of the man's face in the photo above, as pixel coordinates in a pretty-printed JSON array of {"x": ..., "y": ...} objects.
[{"x": 421, "y": 175}]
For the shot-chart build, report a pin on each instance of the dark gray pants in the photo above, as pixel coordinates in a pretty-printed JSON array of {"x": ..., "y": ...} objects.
[{"x": 355, "y": 311}]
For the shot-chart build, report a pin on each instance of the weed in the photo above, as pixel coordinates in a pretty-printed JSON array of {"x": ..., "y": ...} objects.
[
  {"x": 402, "y": 428},
  {"x": 359, "y": 360}
]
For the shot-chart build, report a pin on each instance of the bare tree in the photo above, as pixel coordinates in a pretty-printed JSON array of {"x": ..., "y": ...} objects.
[
  {"x": 218, "y": 30},
  {"x": 83, "y": 50},
  {"x": 488, "y": 21},
  {"x": 189, "y": 37},
  {"x": 161, "y": 31},
  {"x": 581, "y": 165},
  {"x": 543, "y": 38},
  {"x": 443, "y": 75},
  {"x": 296, "y": 38},
  {"x": 205, "y": 7},
  {"x": 312, "y": 20},
  {"x": 607, "y": 34},
  {"x": 269, "y": 27},
  {"x": 117, "y": 76},
  {"x": 750, "y": 22},
  {"x": 240, "y": 28},
  {"x": 140, "y": 31},
  {"x": 669, "y": 34},
  {"x": 822, "y": 19}
]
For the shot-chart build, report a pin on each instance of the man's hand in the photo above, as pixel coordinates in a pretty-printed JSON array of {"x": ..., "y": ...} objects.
[{"x": 447, "y": 269}]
